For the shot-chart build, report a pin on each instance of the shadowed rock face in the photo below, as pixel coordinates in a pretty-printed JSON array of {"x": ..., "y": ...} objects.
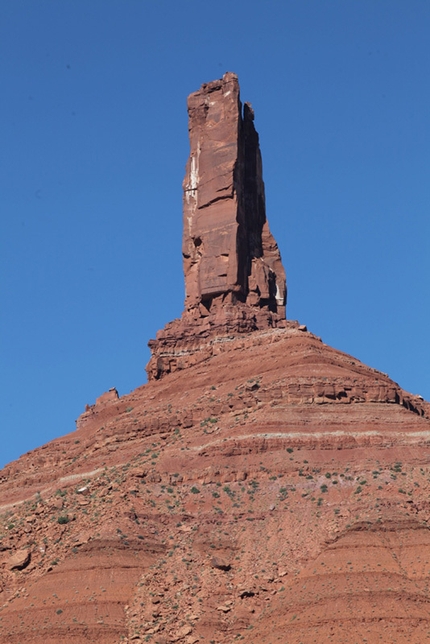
[
  {"x": 234, "y": 278},
  {"x": 227, "y": 245}
]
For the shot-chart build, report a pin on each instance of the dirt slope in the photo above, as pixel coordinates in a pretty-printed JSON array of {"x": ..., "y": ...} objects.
[{"x": 275, "y": 492}]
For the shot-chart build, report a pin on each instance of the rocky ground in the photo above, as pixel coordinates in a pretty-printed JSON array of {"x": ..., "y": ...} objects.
[{"x": 275, "y": 492}]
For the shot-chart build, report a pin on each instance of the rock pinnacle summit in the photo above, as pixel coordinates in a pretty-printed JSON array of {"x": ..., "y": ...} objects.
[
  {"x": 234, "y": 277},
  {"x": 227, "y": 248}
]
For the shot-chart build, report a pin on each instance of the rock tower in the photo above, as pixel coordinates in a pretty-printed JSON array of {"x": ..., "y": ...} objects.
[
  {"x": 272, "y": 488},
  {"x": 234, "y": 278}
]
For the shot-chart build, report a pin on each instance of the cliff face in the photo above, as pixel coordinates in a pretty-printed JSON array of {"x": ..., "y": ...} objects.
[
  {"x": 268, "y": 488},
  {"x": 234, "y": 278},
  {"x": 227, "y": 245}
]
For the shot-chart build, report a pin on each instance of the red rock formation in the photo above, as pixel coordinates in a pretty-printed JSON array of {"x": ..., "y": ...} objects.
[
  {"x": 269, "y": 489},
  {"x": 234, "y": 278},
  {"x": 227, "y": 245},
  {"x": 277, "y": 486}
]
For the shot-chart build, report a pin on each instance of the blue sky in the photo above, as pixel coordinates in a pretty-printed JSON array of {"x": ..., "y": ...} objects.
[{"x": 93, "y": 148}]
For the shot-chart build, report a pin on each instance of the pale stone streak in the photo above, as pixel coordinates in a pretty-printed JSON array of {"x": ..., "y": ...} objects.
[{"x": 425, "y": 435}]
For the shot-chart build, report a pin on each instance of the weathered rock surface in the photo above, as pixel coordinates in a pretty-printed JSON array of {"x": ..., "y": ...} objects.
[
  {"x": 234, "y": 278},
  {"x": 19, "y": 560},
  {"x": 268, "y": 488},
  {"x": 278, "y": 486},
  {"x": 227, "y": 245}
]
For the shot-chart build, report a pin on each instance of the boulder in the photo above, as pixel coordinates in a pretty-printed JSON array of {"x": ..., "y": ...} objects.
[{"x": 19, "y": 560}]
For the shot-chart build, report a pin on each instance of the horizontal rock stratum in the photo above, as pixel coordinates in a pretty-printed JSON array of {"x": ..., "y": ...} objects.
[{"x": 266, "y": 489}]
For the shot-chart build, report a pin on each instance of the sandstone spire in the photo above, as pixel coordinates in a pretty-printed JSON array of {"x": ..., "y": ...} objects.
[
  {"x": 309, "y": 533},
  {"x": 227, "y": 248},
  {"x": 234, "y": 278}
]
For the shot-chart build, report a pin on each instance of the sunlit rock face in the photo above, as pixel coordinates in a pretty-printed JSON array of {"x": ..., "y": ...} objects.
[
  {"x": 234, "y": 278},
  {"x": 227, "y": 245},
  {"x": 262, "y": 487}
]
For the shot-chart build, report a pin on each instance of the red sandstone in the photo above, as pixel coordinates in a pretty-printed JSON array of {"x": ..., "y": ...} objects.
[
  {"x": 234, "y": 277},
  {"x": 262, "y": 487}
]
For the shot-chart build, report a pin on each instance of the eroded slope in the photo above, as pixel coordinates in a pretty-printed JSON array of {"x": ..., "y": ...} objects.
[{"x": 277, "y": 491}]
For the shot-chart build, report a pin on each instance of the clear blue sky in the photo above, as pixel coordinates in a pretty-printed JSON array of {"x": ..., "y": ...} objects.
[{"x": 93, "y": 147}]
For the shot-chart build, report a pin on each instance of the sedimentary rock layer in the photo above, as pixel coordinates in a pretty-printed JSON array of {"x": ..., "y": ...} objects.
[{"x": 277, "y": 485}]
